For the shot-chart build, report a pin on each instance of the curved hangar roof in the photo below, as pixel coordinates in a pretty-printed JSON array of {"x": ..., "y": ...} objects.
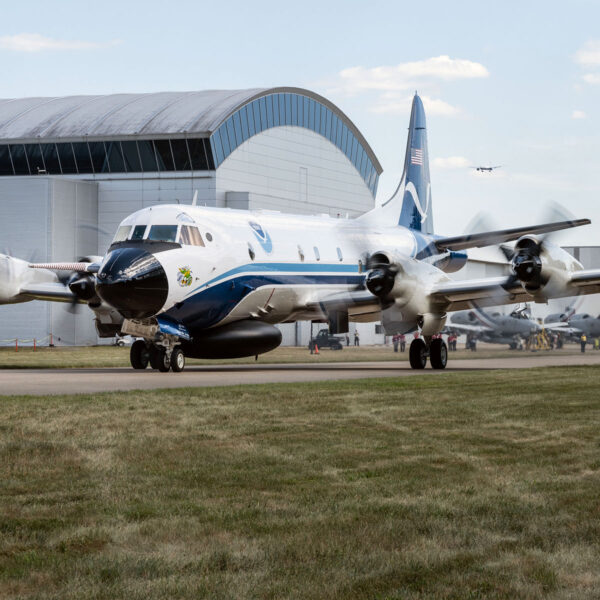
[{"x": 227, "y": 117}]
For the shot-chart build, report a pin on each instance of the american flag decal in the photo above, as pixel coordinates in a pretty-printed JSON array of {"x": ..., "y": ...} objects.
[{"x": 416, "y": 156}]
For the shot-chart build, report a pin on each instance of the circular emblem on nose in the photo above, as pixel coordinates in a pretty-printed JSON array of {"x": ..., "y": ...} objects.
[{"x": 184, "y": 276}]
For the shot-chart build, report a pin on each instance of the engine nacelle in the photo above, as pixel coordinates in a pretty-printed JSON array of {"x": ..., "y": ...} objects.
[{"x": 543, "y": 268}]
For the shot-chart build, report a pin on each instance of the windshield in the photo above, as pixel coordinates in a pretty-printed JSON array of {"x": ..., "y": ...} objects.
[
  {"x": 163, "y": 233},
  {"x": 122, "y": 233},
  {"x": 138, "y": 232}
]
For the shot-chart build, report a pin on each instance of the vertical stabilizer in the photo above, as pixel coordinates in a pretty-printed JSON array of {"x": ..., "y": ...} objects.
[{"x": 410, "y": 205}]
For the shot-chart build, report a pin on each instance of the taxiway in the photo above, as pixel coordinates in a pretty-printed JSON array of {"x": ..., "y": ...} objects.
[{"x": 93, "y": 381}]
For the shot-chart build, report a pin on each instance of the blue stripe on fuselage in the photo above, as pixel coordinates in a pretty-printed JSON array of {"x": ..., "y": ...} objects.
[
  {"x": 278, "y": 268},
  {"x": 205, "y": 307}
]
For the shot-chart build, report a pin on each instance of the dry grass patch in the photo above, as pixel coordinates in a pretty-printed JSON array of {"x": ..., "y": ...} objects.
[{"x": 476, "y": 485}]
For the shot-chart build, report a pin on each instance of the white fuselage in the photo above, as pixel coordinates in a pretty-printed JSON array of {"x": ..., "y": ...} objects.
[{"x": 266, "y": 265}]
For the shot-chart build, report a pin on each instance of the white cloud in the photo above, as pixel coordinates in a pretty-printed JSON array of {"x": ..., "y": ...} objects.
[
  {"x": 589, "y": 53},
  {"x": 578, "y": 114},
  {"x": 408, "y": 75},
  {"x": 451, "y": 162},
  {"x": 592, "y": 78},
  {"x": 34, "y": 42},
  {"x": 392, "y": 104}
]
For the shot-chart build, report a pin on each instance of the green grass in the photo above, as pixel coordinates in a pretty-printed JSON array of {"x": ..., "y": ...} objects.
[
  {"x": 110, "y": 356},
  {"x": 459, "y": 486}
]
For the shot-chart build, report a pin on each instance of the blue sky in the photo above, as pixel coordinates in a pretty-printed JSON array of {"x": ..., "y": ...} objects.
[{"x": 511, "y": 83}]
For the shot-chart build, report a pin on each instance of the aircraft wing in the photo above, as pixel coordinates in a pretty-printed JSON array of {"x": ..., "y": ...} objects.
[
  {"x": 53, "y": 291},
  {"x": 491, "y": 291},
  {"x": 467, "y": 328},
  {"x": 588, "y": 281},
  {"x": 489, "y": 238},
  {"x": 358, "y": 302}
]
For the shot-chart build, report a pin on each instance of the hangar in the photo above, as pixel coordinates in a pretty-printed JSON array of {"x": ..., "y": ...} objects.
[{"x": 71, "y": 168}]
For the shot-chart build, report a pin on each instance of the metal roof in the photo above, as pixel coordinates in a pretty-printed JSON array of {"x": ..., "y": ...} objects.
[{"x": 160, "y": 114}]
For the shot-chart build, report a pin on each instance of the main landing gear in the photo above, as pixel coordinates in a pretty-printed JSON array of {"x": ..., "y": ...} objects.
[
  {"x": 436, "y": 350},
  {"x": 160, "y": 357}
]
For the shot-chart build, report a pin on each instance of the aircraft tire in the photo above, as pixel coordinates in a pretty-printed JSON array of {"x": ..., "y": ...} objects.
[
  {"x": 177, "y": 360},
  {"x": 139, "y": 355},
  {"x": 417, "y": 354},
  {"x": 158, "y": 359},
  {"x": 438, "y": 354}
]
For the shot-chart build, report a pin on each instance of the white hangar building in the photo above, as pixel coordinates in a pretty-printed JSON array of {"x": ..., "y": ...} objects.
[{"x": 71, "y": 168}]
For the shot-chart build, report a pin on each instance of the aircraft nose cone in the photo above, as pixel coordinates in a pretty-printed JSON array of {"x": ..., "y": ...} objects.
[{"x": 134, "y": 282}]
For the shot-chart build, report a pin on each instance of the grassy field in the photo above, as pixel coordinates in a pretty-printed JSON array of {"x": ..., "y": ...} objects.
[
  {"x": 111, "y": 356},
  {"x": 462, "y": 486}
]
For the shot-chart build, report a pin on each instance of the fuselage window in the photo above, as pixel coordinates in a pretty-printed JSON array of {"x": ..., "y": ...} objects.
[
  {"x": 190, "y": 236},
  {"x": 301, "y": 254},
  {"x": 122, "y": 233},
  {"x": 251, "y": 252},
  {"x": 317, "y": 255},
  {"x": 163, "y": 233},
  {"x": 340, "y": 255},
  {"x": 138, "y": 232},
  {"x": 209, "y": 236}
]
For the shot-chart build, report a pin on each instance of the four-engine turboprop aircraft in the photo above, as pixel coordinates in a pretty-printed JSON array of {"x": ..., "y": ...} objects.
[{"x": 211, "y": 282}]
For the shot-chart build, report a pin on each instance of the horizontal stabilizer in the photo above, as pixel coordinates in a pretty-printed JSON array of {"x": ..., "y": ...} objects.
[{"x": 489, "y": 238}]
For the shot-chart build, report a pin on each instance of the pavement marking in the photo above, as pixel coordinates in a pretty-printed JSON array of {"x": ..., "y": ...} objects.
[{"x": 93, "y": 381}]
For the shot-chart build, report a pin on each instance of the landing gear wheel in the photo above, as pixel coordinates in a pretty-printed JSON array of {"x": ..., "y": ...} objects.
[
  {"x": 139, "y": 355},
  {"x": 417, "y": 354},
  {"x": 177, "y": 360},
  {"x": 159, "y": 360},
  {"x": 438, "y": 354}
]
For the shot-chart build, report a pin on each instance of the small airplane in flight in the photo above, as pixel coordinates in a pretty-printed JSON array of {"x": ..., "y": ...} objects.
[
  {"x": 207, "y": 282},
  {"x": 486, "y": 169}
]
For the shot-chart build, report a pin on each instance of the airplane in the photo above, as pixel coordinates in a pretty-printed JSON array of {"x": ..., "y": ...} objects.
[
  {"x": 585, "y": 323},
  {"x": 207, "y": 282},
  {"x": 486, "y": 169},
  {"x": 495, "y": 327}
]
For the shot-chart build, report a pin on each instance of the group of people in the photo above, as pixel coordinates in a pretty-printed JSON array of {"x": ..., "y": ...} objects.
[{"x": 399, "y": 341}]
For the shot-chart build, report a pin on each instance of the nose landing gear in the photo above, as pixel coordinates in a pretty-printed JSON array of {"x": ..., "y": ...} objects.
[{"x": 162, "y": 356}]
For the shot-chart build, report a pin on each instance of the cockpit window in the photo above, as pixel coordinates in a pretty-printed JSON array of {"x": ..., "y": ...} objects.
[
  {"x": 122, "y": 233},
  {"x": 190, "y": 236},
  {"x": 138, "y": 232},
  {"x": 163, "y": 233}
]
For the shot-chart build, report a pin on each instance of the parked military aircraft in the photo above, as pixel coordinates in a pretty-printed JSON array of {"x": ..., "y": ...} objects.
[
  {"x": 585, "y": 323},
  {"x": 212, "y": 282},
  {"x": 494, "y": 327}
]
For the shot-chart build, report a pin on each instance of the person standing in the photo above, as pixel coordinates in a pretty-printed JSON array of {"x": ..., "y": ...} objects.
[
  {"x": 395, "y": 342},
  {"x": 402, "y": 342},
  {"x": 356, "y": 339},
  {"x": 347, "y": 340},
  {"x": 583, "y": 341}
]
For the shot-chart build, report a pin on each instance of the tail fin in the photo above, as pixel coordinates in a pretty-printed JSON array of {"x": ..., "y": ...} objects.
[{"x": 410, "y": 205}]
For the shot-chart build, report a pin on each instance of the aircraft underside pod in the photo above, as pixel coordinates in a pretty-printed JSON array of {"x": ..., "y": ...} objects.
[{"x": 234, "y": 340}]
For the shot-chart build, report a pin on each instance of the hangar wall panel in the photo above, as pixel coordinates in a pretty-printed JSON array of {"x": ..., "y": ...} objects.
[
  {"x": 298, "y": 169},
  {"x": 48, "y": 219}
]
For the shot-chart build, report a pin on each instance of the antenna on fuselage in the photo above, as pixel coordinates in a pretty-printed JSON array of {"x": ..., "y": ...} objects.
[{"x": 195, "y": 199}]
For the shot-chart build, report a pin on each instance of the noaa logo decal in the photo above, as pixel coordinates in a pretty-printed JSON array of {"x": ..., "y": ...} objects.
[
  {"x": 184, "y": 276},
  {"x": 264, "y": 239}
]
